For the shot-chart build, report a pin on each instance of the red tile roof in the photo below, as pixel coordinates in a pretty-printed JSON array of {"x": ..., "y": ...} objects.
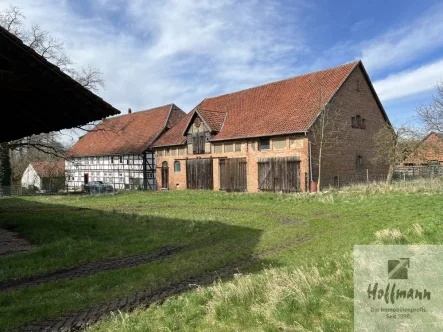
[
  {"x": 213, "y": 119},
  {"x": 174, "y": 136},
  {"x": 130, "y": 133},
  {"x": 49, "y": 169},
  {"x": 282, "y": 107}
]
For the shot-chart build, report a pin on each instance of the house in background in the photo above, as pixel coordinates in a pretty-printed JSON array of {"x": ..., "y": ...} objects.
[
  {"x": 428, "y": 153},
  {"x": 263, "y": 138},
  {"x": 48, "y": 176},
  {"x": 118, "y": 150}
]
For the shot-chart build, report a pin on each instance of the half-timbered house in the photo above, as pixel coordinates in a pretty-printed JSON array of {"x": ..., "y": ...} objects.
[
  {"x": 262, "y": 138},
  {"x": 118, "y": 150}
]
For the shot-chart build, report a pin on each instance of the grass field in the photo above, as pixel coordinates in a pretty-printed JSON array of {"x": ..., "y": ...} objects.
[{"x": 295, "y": 252}]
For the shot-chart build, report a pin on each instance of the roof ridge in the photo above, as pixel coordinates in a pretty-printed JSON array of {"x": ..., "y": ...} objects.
[
  {"x": 207, "y": 109},
  {"x": 285, "y": 79},
  {"x": 143, "y": 111}
]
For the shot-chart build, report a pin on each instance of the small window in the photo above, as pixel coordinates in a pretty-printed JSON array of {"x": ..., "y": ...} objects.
[
  {"x": 173, "y": 152},
  {"x": 238, "y": 147},
  {"x": 181, "y": 151},
  {"x": 229, "y": 147},
  {"x": 358, "y": 121},
  {"x": 218, "y": 148},
  {"x": 359, "y": 162},
  {"x": 177, "y": 166},
  {"x": 166, "y": 152},
  {"x": 265, "y": 144},
  {"x": 252, "y": 146},
  {"x": 279, "y": 143},
  {"x": 160, "y": 152},
  {"x": 165, "y": 164}
]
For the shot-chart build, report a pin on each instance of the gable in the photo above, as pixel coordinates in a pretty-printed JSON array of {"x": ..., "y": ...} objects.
[{"x": 127, "y": 134}]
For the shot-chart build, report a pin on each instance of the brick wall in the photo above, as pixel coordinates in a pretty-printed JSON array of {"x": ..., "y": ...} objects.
[
  {"x": 353, "y": 98},
  {"x": 298, "y": 148}
]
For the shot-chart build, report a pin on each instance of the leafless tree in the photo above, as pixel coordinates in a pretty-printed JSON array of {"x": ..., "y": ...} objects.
[
  {"x": 395, "y": 144},
  {"x": 431, "y": 115},
  {"x": 325, "y": 133},
  {"x": 52, "y": 49}
]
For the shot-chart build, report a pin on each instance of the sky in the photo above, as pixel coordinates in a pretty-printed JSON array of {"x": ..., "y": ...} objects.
[{"x": 153, "y": 53}]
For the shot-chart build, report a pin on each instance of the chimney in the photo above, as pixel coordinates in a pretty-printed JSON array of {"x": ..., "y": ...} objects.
[{"x": 129, "y": 111}]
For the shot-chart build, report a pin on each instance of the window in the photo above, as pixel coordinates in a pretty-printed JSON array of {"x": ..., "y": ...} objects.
[
  {"x": 181, "y": 151},
  {"x": 238, "y": 147},
  {"x": 359, "y": 162},
  {"x": 265, "y": 144},
  {"x": 173, "y": 152},
  {"x": 160, "y": 152},
  {"x": 229, "y": 147},
  {"x": 295, "y": 142},
  {"x": 166, "y": 152},
  {"x": 218, "y": 148},
  {"x": 358, "y": 122},
  {"x": 252, "y": 146},
  {"x": 279, "y": 143},
  {"x": 177, "y": 166}
]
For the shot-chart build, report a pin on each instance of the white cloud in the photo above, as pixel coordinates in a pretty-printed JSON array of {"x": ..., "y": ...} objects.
[
  {"x": 404, "y": 44},
  {"x": 157, "y": 52},
  {"x": 410, "y": 82}
]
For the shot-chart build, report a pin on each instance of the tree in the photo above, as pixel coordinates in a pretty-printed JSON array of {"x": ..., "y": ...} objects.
[
  {"x": 325, "y": 133},
  {"x": 52, "y": 49},
  {"x": 395, "y": 144},
  {"x": 431, "y": 115}
]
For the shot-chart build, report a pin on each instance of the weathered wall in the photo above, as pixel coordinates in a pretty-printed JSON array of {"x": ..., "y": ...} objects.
[
  {"x": 249, "y": 150},
  {"x": 353, "y": 98}
]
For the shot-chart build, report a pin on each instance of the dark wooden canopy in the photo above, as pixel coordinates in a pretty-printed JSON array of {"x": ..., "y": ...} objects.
[{"x": 37, "y": 97}]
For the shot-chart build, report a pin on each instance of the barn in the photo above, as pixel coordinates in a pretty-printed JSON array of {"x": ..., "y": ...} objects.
[
  {"x": 118, "y": 150},
  {"x": 265, "y": 138}
]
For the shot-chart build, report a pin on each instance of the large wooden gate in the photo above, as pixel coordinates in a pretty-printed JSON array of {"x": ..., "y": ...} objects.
[
  {"x": 233, "y": 174},
  {"x": 199, "y": 174},
  {"x": 279, "y": 174}
]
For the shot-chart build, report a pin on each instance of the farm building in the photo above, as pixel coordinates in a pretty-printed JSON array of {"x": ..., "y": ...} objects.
[
  {"x": 266, "y": 138},
  {"x": 48, "y": 176},
  {"x": 428, "y": 153},
  {"x": 118, "y": 150}
]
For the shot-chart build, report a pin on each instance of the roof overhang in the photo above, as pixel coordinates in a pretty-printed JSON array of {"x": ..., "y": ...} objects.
[{"x": 37, "y": 97}]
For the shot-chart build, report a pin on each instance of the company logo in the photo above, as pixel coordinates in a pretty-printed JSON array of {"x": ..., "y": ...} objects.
[{"x": 398, "y": 268}]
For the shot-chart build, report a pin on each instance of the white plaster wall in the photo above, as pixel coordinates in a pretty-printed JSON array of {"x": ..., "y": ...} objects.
[{"x": 30, "y": 178}]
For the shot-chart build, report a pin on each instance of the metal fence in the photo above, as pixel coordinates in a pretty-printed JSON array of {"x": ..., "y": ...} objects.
[
  {"x": 18, "y": 190},
  {"x": 368, "y": 177}
]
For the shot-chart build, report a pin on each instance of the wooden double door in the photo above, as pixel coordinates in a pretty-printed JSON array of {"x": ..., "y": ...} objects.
[
  {"x": 199, "y": 174},
  {"x": 233, "y": 174},
  {"x": 279, "y": 174}
]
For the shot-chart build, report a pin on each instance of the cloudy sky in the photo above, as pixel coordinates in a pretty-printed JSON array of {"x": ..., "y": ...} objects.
[{"x": 157, "y": 52}]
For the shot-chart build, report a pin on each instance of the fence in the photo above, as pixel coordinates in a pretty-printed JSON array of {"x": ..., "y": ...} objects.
[
  {"x": 366, "y": 176},
  {"x": 18, "y": 190}
]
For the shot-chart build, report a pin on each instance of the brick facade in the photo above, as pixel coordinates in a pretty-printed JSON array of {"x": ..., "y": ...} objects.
[
  {"x": 249, "y": 150},
  {"x": 355, "y": 97},
  {"x": 355, "y": 109}
]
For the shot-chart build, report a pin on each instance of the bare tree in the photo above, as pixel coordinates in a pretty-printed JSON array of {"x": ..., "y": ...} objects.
[
  {"x": 52, "y": 49},
  {"x": 395, "y": 144},
  {"x": 431, "y": 115},
  {"x": 325, "y": 133}
]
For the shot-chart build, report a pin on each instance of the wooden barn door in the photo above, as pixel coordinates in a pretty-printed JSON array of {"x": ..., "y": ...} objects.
[
  {"x": 199, "y": 174},
  {"x": 233, "y": 174},
  {"x": 279, "y": 174}
]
